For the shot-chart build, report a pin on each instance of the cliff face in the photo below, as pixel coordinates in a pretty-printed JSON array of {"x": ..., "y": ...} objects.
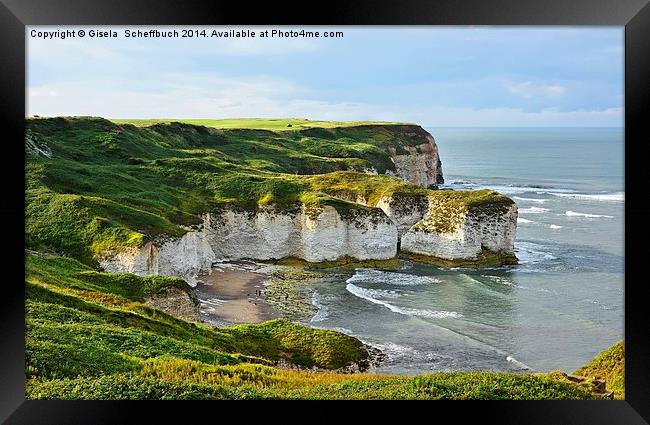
[
  {"x": 326, "y": 235},
  {"x": 418, "y": 164},
  {"x": 404, "y": 210},
  {"x": 464, "y": 233},
  {"x": 443, "y": 227},
  {"x": 186, "y": 257}
]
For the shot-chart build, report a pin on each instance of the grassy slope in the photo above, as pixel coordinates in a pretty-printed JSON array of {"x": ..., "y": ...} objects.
[
  {"x": 80, "y": 321},
  {"x": 108, "y": 186},
  {"x": 610, "y": 366},
  {"x": 89, "y": 337}
]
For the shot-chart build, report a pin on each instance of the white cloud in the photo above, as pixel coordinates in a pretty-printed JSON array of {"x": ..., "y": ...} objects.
[
  {"x": 215, "y": 96},
  {"x": 528, "y": 89}
]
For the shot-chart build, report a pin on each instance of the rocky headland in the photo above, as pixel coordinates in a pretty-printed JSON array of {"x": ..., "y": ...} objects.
[{"x": 320, "y": 193}]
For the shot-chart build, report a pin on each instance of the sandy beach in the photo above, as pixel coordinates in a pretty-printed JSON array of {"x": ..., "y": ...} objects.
[{"x": 229, "y": 295}]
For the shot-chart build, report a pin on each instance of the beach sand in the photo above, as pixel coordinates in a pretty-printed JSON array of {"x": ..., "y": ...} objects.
[{"x": 228, "y": 296}]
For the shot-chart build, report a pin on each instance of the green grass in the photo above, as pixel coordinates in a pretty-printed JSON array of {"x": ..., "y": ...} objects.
[
  {"x": 275, "y": 124},
  {"x": 448, "y": 208},
  {"x": 71, "y": 306},
  {"x": 88, "y": 336},
  {"x": 610, "y": 366},
  {"x": 168, "y": 378}
]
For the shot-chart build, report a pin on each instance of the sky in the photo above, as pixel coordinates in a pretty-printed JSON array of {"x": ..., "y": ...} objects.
[{"x": 433, "y": 76}]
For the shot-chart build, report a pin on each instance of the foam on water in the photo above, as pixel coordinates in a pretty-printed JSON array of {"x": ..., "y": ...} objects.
[
  {"x": 515, "y": 190},
  {"x": 607, "y": 197},
  {"x": 524, "y": 221},
  {"x": 398, "y": 351},
  {"x": 532, "y": 210},
  {"x": 555, "y": 226},
  {"x": 499, "y": 279},
  {"x": 530, "y": 253},
  {"x": 508, "y": 189},
  {"x": 369, "y": 295},
  {"x": 579, "y": 214},
  {"x": 322, "y": 312},
  {"x": 517, "y": 362},
  {"x": 390, "y": 278},
  {"x": 537, "y": 201}
]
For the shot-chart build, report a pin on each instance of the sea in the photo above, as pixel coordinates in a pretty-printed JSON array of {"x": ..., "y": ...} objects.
[{"x": 555, "y": 310}]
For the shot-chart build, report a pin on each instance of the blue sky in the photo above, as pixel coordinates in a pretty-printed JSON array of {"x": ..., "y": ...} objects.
[{"x": 435, "y": 76}]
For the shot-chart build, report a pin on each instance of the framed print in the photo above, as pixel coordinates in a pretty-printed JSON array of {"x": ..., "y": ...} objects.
[{"x": 413, "y": 202}]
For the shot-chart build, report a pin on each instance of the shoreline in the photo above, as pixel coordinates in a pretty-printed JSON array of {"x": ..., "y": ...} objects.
[{"x": 229, "y": 295}]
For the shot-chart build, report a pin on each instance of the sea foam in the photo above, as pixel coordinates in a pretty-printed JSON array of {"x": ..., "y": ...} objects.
[
  {"x": 532, "y": 210},
  {"x": 368, "y": 296},
  {"x": 578, "y": 214},
  {"x": 530, "y": 253},
  {"x": 537, "y": 201},
  {"x": 390, "y": 278},
  {"x": 609, "y": 197},
  {"x": 524, "y": 221}
]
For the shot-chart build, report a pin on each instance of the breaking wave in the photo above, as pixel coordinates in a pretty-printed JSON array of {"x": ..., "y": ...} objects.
[
  {"x": 369, "y": 295},
  {"x": 390, "y": 278},
  {"x": 530, "y": 253},
  {"x": 537, "y": 201},
  {"x": 608, "y": 197},
  {"x": 578, "y": 214},
  {"x": 532, "y": 210}
]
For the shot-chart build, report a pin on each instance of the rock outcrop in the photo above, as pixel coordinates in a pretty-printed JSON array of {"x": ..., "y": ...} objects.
[
  {"x": 445, "y": 227},
  {"x": 327, "y": 234},
  {"x": 480, "y": 230},
  {"x": 441, "y": 226},
  {"x": 404, "y": 210},
  {"x": 176, "y": 302},
  {"x": 418, "y": 164},
  {"x": 186, "y": 257},
  {"x": 35, "y": 146}
]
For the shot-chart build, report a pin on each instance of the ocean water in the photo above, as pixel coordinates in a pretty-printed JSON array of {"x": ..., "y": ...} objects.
[{"x": 555, "y": 310}]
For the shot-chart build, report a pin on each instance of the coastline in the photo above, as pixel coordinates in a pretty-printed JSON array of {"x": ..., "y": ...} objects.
[{"x": 229, "y": 295}]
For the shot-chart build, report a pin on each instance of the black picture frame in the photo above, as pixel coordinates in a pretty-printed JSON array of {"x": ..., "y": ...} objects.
[{"x": 633, "y": 14}]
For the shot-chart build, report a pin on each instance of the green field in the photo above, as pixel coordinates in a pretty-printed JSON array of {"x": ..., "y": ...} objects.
[{"x": 275, "y": 124}]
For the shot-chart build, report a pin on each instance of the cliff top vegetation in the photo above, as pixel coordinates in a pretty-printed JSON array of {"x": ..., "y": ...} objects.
[
  {"x": 104, "y": 186},
  {"x": 275, "y": 124}
]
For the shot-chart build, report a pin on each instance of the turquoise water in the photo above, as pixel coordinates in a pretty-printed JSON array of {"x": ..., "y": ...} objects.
[{"x": 555, "y": 310}]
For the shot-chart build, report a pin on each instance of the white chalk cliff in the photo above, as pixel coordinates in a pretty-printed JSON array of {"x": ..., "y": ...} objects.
[
  {"x": 328, "y": 235},
  {"x": 465, "y": 236},
  {"x": 418, "y": 164},
  {"x": 422, "y": 224}
]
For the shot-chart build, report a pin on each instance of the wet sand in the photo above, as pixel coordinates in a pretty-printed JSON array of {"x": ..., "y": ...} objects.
[{"x": 228, "y": 295}]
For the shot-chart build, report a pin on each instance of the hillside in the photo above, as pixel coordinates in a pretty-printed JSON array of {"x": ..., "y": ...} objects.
[
  {"x": 107, "y": 186},
  {"x": 610, "y": 366},
  {"x": 161, "y": 200},
  {"x": 89, "y": 336}
]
